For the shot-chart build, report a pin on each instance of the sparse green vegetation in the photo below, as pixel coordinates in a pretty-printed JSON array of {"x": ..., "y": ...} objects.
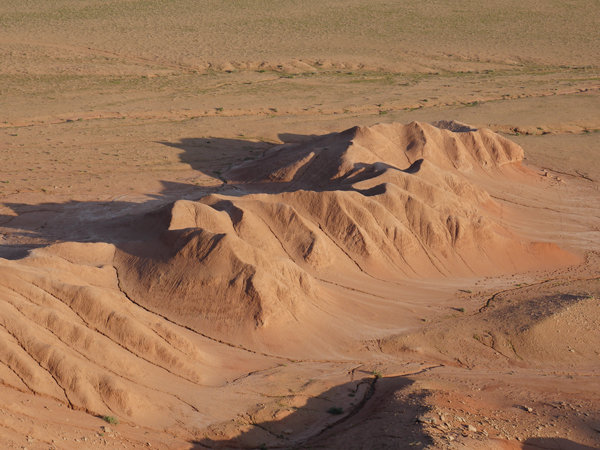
[
  {"x": 377, "y": 374},
  {"x": 335, "y": 410},
  {"x": 111, "y": 419}
]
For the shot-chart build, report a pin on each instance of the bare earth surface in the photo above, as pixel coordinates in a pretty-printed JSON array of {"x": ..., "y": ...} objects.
[{"x": 265, "y": 224}]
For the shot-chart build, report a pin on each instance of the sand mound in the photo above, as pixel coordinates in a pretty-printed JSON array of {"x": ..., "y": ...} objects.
[
  {"x": 67, "y": 332},
  {"x": 393, "y": 202},
  {"x": 396, "y": 199},
  {"x": 101, "y": 326},
  {"x": 211, "y": 278},
  {"x": 341, "y": 159},
  {"x": 390, "y": 201}
]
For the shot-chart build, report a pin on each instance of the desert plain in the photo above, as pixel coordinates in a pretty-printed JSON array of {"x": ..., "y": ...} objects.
[{"x": 322, "y": 224}]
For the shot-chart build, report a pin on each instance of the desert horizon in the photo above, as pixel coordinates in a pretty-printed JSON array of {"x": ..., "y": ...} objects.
[{"x": 286, "y": 225}]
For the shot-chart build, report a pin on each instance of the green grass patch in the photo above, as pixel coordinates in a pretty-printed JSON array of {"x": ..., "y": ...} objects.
[{"x": 111, "y": 419}]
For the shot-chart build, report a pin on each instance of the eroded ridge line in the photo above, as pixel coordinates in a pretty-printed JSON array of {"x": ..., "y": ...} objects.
[
  {"x": 570, "y": 280},
  {"x": 70, "y": 404},
  {"x": 237, "y": 347}
]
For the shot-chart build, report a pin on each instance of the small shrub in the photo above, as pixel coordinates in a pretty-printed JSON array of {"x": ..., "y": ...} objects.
[
  {"x": 111, "y": 419},
  {"x": 461, "y": 309},
  {"x": 377, "y": 374},
  {"x": 335, "y": 410}
]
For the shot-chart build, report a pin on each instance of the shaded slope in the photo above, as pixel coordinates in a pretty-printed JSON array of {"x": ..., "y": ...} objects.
[
  {"x": 550, "y": 324},
  {"x": 340, "y": 157}
]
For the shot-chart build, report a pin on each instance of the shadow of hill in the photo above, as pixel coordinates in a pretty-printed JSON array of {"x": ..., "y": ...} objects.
[
  {"x": 123, "y": 221},
  {"x": 119, "y": 220},
  {"x": 74, "y": 221},
  {"x": 291, "y": 138},
  {"x": 205, "y": 154},
  {"x": 385, "y": 417},
  {"x": 213, "y": 155}
]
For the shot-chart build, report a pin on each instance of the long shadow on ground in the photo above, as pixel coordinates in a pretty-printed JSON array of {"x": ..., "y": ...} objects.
[
  {"x": 385, "y": 417},
  {"x": 116, "y": 221}
]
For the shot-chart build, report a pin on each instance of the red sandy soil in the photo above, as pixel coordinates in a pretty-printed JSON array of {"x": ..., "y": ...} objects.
[
  {"x": 350, "y": 250},
  {"x": 281, "y": 238}
]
